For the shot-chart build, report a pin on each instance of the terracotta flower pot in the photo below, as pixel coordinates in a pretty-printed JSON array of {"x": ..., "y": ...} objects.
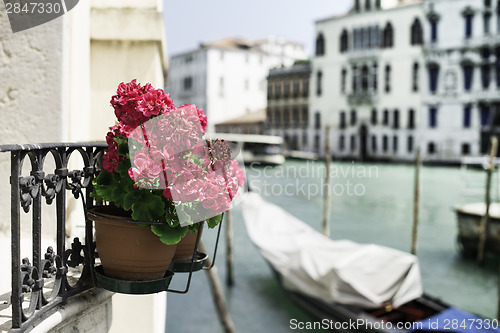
[
  {"x": 129, "y": 251},
  {"x": 185, "y": 247}
]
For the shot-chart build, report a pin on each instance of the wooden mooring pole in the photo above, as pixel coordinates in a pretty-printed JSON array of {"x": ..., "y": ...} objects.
[
  {"x": 326, "y": 187},
  {"x": 416, "y": 200},
  {"x": 229, "y": 250},
  {"x": 218, "y": 295},
  {"x": 483, "y": 225}
]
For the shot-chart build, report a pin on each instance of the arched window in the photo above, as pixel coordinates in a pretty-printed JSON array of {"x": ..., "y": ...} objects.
[
  {"x": 344, "y": 41},
  {"x": 319, "y": 78},
  {"x": 388, "y": 78},
  {"x": 368, "y": 5},
  {"x": 415, "y": 77},
  {"x": 364, "y": 78},
  {"x": 433, "y": 77},
  {"x": 320, "y": 45},
  {"x": 388, "y": 36},
  {"x": 411, "y": 119},
  {"x": 416, "y": 37},
  {"x": 356, "y": 5}
]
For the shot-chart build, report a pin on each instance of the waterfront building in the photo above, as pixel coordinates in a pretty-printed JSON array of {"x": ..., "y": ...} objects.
[
  {"x": 227, "y": 78},
  {"x": 288, "y": 104},
  {"x": 391, "y": 76},
  {"x": 366, "y": 81},
  {"x": 461, "y": 110}
]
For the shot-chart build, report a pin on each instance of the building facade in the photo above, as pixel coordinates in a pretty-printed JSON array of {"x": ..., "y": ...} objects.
[
  {"x": 366, "y": 81},
  {"x": 288, "y": 104},
  {"x": 391, "y": 76},
  {"x": 462, "y": 109},
  {"x": 227, "y": 78}
]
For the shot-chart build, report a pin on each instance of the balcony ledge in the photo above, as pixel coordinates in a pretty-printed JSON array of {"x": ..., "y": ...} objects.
[{"x": 89, "y": 311}]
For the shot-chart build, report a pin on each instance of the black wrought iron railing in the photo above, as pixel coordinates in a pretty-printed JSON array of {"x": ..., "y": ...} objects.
[{"x": 54, "y": 274}]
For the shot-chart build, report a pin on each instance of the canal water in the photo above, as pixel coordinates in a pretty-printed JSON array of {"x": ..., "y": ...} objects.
[{"x": 370, "y": 203}]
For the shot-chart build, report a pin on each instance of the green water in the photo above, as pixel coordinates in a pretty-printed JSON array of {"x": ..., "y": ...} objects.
[{"x": 369, "y": 204}]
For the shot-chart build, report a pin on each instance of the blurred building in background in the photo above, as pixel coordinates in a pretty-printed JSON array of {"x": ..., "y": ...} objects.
[
  {"x": 366, "y": 81},
  {"x": 391, "y": 76},
  {"x": 227, "y": 78},
  {"x": 288, "y": 104}
]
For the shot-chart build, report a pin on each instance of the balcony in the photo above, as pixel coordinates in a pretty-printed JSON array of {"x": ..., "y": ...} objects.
[{"x": 362, "y": 98}]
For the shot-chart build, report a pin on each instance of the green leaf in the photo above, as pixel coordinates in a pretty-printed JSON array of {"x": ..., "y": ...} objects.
[
  {"x": 148, "y": 207},
  {"x": 169, "y": 235},
  {"x": 214, "y": 221},
  {"x": 103, "y": 185}
]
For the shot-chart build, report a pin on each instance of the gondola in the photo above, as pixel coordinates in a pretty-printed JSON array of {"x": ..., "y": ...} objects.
[{"x": 346, "y": 286}]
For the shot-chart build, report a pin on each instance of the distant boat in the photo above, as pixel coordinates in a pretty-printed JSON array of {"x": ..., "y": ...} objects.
[
  {"x": 255, "y": 148},
  {"x": 348, "y": 287},
  {"x": 469, "y": 218},
  {"x": 469, "y": 215}
]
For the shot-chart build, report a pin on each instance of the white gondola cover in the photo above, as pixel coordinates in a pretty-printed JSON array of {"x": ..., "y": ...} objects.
[{"x": 363, "y": 275}]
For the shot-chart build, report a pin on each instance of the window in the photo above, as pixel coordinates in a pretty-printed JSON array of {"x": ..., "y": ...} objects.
[
  {"x": 374, "y": 143},
  {"x": 342, "y": 142},
  {"x": 368, "y": 5},
  {"x": 295, "y": 115},
  {"x": 487, "y": 3},
  {"x": 411, "y": 119},
  {"x": 296, "y": 88},
  {"x": 305, "y": 116},
  {"x": 344, "y": 41},
  {"x": 269, "y": 115},
  {"x": 305, "y": 140},
  {"x": 342, "y": 120},
  {"x": 387, "y": 78},
  {"x": 277, "y": 89},
  {"x": 319, "y": 77},
  {"x": 356, "y": 5},
  {"x": 434, "y": 31},
  {"x": 485, "y": 115},
  {"x": 395, "y": 123},
  {"x": 415, "y": 77},
  {"x": 317, "y": 143},
  {"x": 188, "y": 83},
  {"x": 467, "y": 116},
  {"x": 320, "y": 45},
  {"x": 286, "y": 93},
  {"x": 388, "y": 36},
  {"x": 305, "y": 88},
  {"x": 433, "y": 117},
  {"x": 353, "y": 117},
  {"x": 468, "y": 72},
  {"x": 354, "y": 78},
  {"x": 385, "y": 143},
  {"x": 486, "y": 23},
  {"x": 364, "y": 78},
  {"x": 377, "y": 4},
  {"x": 343, "y": 78},
  {"x": 468, "y": 24},
  {"x": 374, "y": 117},
  {"x": 431, "y": 148},
  {"x": 375, "y": 77},
  {"x": 409, "y": 144},
  {"x": 353, "y": 143},
  {"x": 416, "y": 33},
  {"x": 465, "y": 149},
  {"x": 433, "y": 78},
  {"x": 497, "y": 65},
  {"x": 286, "y": 116},
  {"x": 317, "y": 120},
  {"x": 485, "y": 76},
  {"x": 395, "y": 144},
  {"x": 385, "y": 118}
]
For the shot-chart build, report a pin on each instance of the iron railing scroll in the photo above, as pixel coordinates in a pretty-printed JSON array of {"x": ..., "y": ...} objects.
[{"x": 42, "y": 282}]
